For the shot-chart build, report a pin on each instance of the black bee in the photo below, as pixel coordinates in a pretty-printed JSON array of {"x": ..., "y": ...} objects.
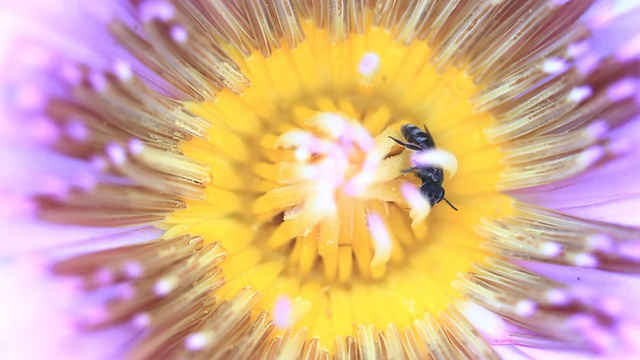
[{"x": 431, "y": 176}]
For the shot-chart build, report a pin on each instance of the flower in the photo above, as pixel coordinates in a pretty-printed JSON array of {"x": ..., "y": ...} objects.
[{"x": 287, "y": 151}]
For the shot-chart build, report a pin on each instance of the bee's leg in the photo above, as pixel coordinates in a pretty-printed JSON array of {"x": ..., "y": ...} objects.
[
  {"x": 408, "y": 170},
  {"x": 407, "y": 145}
]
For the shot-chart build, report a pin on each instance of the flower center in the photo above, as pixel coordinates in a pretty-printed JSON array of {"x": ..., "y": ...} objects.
[
  {"x": 299, "y": 175},
  {"x": 316, "y": 200}
]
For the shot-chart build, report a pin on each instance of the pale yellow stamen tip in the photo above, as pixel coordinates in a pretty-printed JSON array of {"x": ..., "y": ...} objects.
[
  {"x": 330, "y": 124},
  {"x": 368, "y": 68},
  {"x": 297, "y": 139},
  {"x": 381, "y": 240},
  {"x": 420, "y": 207},
  {"x": 288, "y": 312}
]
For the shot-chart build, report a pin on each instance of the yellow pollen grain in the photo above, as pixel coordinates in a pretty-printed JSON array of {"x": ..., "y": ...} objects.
[{"x": 284, "y": 238}]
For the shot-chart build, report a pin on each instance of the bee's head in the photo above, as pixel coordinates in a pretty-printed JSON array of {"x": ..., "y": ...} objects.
[{"x": 433, "y": 192}]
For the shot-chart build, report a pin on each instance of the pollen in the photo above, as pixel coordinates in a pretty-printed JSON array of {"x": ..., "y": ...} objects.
[{"x": 301, "y": 218}]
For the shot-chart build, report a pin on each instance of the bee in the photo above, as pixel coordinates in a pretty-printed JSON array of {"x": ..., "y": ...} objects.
[{"x": 431, "y": 176}]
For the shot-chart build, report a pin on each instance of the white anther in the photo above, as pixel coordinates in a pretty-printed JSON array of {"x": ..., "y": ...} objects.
[
  {"x": 141, "y": 321},
  {"x": 555, "y": 66},
  {"x": 86, "y": 180},
  {"x": 123, "y": 70},
  {"x": 526, "y": 308},
  {"x": 577, "y": 49},
  {"x": 623, "y": 89},
  {"x": 590, "y": 156},
  {"x": 597, "y": 130},
  {"x": 600, "y": 242},
  {"x": 369, "y": 64},
  {"x": 164, "y": 286},
  {"x": 77, "y": 130},
  {"x": 588, "y": 62},
  {"x": 98, "y": 81},
  {"x": 136, "y": 146},
  {"x": 580, "y": 93},
  {"x": 133, "y": 269},
  {"x": 71, "y": 73},
  {"x": 116, "y": 154},
  {"x": 281, "y": 312},
  {"x": 368, "y": 68},
  {"x": 104, "y": 276},
  {"x": 179, "y": 34},
  {"x": 557, "y": 296},
  {"x": 630, "y": 50},
  {"x": 551, "y": 249},
  {"x": 197, "y": 341},
  {"x": 156, "y": 9},
  {"x": 585, "y": 260},
  {"x": 99, "y": 164}
]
